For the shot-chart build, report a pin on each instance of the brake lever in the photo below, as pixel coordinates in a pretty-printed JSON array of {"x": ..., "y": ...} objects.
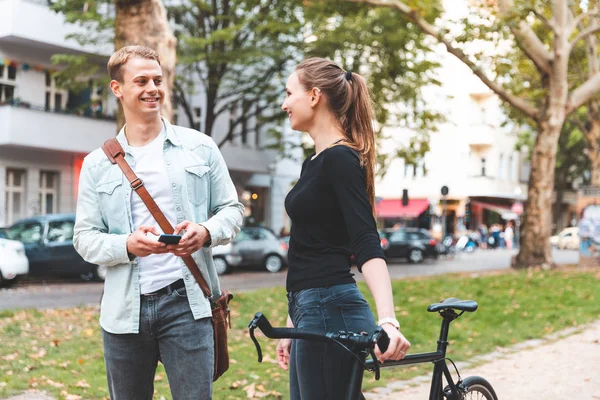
[
  {"x": 253, "y": 325},
  {"x": 378, "y": 335}
]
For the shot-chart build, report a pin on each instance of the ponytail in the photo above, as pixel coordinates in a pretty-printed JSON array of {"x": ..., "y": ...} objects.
[{"x": 350, "y": 101}]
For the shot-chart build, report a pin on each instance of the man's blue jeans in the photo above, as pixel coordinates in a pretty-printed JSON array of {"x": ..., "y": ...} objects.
[
  {"x": 322, "y": 370},
  {"x": 168, "y": 332}
]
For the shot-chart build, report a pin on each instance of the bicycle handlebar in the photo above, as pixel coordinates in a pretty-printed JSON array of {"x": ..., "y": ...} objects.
[{"x": 355, "y": 341}]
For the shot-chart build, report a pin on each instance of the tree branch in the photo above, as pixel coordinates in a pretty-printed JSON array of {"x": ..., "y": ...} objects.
[
  {"x": 528, "y": 41},
  {"x": 184, "y": 103},
  {"x": 583, "y": 93},
  {"x": 543, "y": 20},
  {"x": 577, "y": 20},
  {"x": 412, "y": 14},
  {"x": 583, "y": 34}
]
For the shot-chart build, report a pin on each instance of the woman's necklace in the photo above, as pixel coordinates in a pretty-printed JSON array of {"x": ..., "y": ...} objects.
[{"x": 331, "y": 145}]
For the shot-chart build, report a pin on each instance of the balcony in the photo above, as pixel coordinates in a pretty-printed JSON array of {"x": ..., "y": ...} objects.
[
  {"x": 36, "y": 128},
  {"x": 480, "y": 138},
  {"x": 28, "y": 26}
]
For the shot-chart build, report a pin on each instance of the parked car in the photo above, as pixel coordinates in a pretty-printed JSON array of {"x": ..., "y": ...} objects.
[
  {"x": 568, "y": 238},
  {"x": 252, "y": 247},
  {"x": 48, "y": 241},
  {"x": 13, "y": 261},
  {"x": 410, "y": 243}
]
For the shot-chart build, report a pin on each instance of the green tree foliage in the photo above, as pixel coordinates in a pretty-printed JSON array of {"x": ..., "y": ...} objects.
[{"x": 392, "y": 54}]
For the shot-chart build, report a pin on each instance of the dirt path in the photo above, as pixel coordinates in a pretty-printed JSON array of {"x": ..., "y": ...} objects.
[{"x": 556, "y": 367}]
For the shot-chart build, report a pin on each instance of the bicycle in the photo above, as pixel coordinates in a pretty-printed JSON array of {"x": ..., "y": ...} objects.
[{"x": 363, "y": 344}]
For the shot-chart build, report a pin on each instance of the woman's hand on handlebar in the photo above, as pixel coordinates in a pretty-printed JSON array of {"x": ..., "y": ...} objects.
[
  {"x": 398, "y": 345},
  {"x": 284, "y": 348}
]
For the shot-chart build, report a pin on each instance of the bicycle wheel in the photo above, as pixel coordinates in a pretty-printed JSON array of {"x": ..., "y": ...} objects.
[{"x": 477, "y": 388}]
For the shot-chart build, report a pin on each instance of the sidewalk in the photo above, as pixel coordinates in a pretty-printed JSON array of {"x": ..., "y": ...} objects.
[
  {"x": 563, "y": 365},
  {"x": 556, "y": 367}
]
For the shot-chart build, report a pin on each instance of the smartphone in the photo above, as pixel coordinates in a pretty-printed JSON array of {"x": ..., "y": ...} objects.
[{"x": 169, "y": 239}]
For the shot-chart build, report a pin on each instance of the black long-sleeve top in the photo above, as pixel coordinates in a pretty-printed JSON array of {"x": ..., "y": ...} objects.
[{"x": 331, "y": 219}]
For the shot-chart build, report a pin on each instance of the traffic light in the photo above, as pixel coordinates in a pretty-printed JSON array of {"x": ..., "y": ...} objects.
[{"x": 404, "y": 197}]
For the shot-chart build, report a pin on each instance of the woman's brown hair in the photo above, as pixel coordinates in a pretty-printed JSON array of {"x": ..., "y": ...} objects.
[{"x": 349, "y": 99}]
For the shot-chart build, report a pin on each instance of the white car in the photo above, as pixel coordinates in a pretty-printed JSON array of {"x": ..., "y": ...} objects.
[
  {"x": 13, "y": 261},
  {"x": 568, "y": 238}
]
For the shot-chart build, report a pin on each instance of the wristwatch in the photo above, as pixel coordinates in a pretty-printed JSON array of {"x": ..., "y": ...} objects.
[{"x": 389, "y": 320}]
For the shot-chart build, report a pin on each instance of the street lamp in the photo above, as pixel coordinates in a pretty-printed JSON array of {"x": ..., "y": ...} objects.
[{"x": 444, "y": 192}]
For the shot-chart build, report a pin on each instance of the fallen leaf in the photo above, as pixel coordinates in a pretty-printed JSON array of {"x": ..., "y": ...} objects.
[
  {"x": 88, "y": 332},
  {"x": 50, "y": 382},
  {"x": 82, "y": 384},
  {"x": 11, "y": 357},
  {"x": 250, "y": 391},
  {"x": 238, "y": 384},
  {"x": 40, "y": 354}
]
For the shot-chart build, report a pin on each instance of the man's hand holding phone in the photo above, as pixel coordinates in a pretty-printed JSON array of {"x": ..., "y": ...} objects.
[
  {"x": 194, "y": 238},
  {"x": 141, "y": 245}
]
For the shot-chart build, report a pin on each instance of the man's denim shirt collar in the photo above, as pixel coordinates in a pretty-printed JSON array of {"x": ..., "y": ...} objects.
[{"x": 170, "y": 133}]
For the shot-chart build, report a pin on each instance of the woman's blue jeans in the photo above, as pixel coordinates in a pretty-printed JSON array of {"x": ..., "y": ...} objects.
[
  {"x": 322, "y": 370},
  {"x": 167, "y": 332}
]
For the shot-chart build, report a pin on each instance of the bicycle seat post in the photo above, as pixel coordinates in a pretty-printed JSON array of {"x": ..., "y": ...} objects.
[{"x": 448, "y": 316}]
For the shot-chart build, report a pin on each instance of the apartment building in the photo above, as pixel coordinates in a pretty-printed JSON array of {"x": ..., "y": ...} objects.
[
  {"x": 473, "y": 154},
  {"x": 46, "y": 131}
]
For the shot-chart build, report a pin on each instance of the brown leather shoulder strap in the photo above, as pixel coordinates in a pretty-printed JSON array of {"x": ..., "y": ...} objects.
[{"x": 115, "y": 153}]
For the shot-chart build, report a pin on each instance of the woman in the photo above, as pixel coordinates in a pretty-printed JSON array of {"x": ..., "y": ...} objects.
[{"x": 331, "y": 208}]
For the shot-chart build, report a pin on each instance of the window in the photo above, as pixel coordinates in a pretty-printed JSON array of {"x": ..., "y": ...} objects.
[
  {"x": 198, "y": 118},
  {"x": 58, "y": 104},
  {"x": 398, "y": 236},
  {"x": 501, "y": 167},
  {"x": 56, "y": 98},
  {"x": 27, "y": 233},
  {"x": 8, "y": 77},
  {"x": 483, "y": 167},
  {"x": 511, "y": 174},
  {"x": 48, "y": 192},
  {"x": 15, "y": 195},
  {"x": 60, "y": 231}
]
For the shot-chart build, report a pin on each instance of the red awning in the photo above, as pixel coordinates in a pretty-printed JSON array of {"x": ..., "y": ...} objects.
[{"x": 392, "y": 208}]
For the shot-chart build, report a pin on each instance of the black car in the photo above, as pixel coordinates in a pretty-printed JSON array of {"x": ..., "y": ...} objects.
[
  {"x": 411, "y": 243},
  {"x": 48, "y": 241}
]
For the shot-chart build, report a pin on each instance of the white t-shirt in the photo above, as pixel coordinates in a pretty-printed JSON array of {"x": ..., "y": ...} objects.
[{"x": 156, "y": 270}]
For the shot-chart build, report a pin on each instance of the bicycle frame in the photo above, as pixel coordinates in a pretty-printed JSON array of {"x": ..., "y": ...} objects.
[{"x": 438, "y": 358}]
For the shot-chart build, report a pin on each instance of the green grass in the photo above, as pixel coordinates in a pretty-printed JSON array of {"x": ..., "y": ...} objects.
[{"x": 60, "y": 351}]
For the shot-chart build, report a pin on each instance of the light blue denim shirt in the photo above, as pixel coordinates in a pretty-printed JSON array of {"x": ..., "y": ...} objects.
[{"x": 202, "y": 192}]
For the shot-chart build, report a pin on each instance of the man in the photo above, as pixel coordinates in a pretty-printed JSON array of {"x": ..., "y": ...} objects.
[{"x": 152, "y": 307}]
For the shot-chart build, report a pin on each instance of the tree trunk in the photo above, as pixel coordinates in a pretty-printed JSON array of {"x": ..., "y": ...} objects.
[
  {"x": 211, "y": 103},
  {"x": 592, "y": 137},
  {"x": 144, "y": 22},
  {"x": 537, "y": 222}
]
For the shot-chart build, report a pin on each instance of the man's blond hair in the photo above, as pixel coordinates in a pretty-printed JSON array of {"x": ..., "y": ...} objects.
[{"x": 121, "y": 56}]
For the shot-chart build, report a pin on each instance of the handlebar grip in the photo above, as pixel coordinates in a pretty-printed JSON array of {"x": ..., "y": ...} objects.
[{"x": 383, "y": 341}]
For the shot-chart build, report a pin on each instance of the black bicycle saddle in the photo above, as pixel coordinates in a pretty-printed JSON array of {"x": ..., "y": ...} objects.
[{"x": 454, "y": 303}]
